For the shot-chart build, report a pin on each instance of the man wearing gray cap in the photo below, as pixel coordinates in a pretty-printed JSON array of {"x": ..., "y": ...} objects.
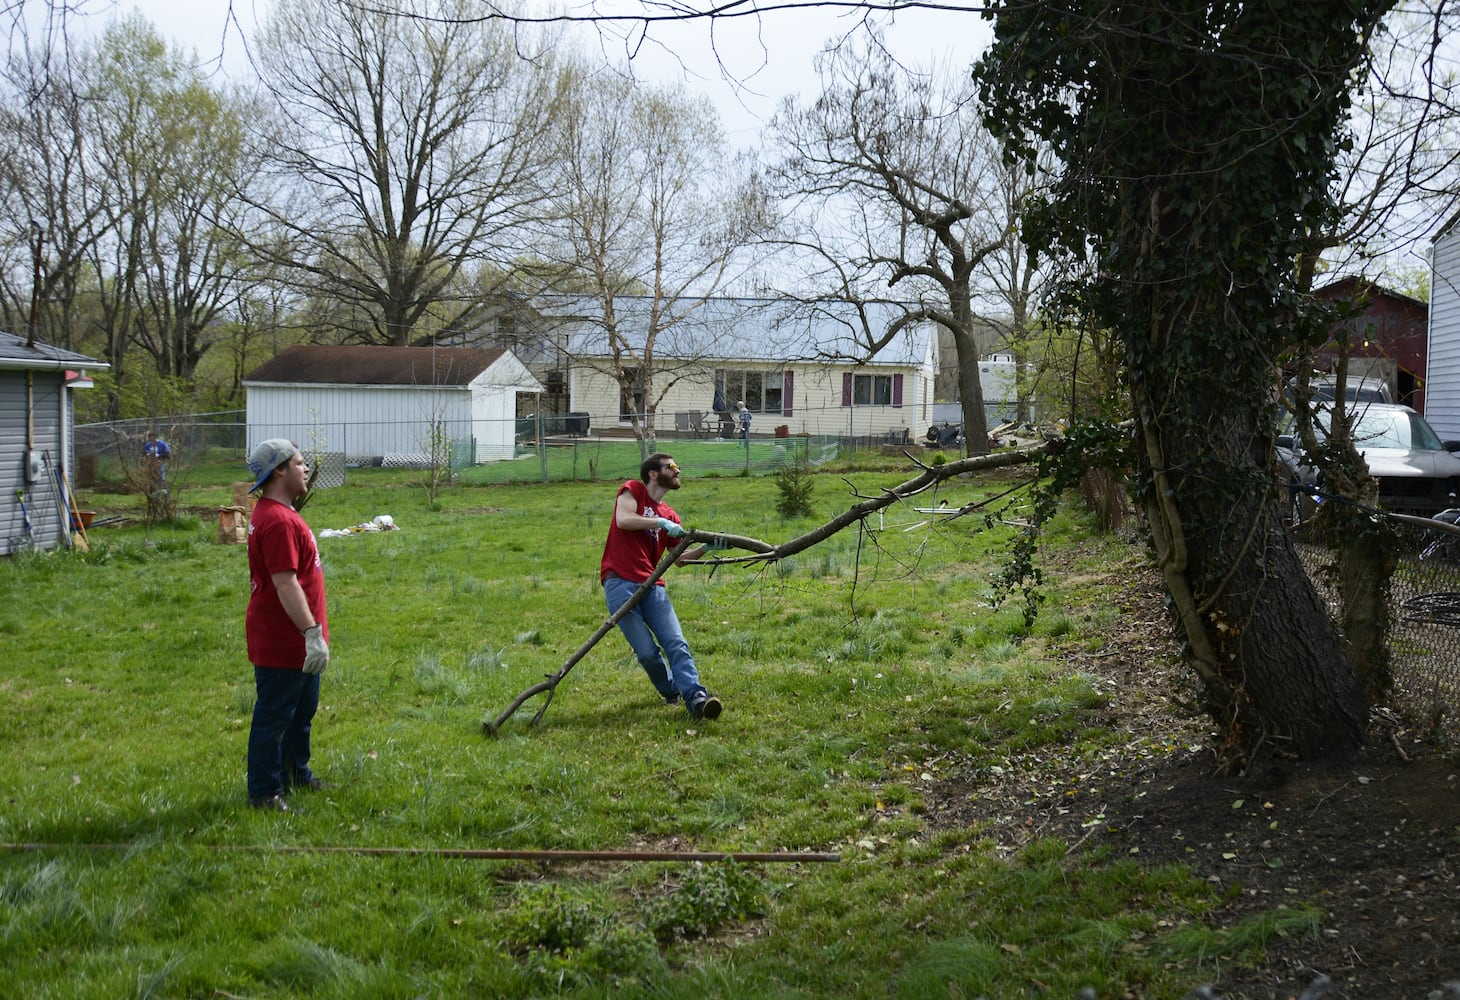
[{"x": 288, "y": 637}]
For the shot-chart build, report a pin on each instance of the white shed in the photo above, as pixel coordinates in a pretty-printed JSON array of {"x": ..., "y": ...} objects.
[
  {"x": 1442, "y": 374},
  {"x": 389, "y": 404}
]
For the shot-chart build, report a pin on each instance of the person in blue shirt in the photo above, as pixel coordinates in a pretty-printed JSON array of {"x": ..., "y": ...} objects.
[
  {"x": 157, "y": 453},
  {"x": 744, "y": 423}
]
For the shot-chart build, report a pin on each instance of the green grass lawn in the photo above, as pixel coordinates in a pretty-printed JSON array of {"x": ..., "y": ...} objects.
[{"x": 846, "y": 672}]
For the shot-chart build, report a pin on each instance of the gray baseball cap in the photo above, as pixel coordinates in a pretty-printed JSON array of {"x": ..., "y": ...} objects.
[{"x": 267, "y": 457}]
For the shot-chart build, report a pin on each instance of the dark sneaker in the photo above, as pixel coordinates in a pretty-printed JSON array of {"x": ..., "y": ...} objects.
[
  {"x": 273, "y": 803},
  {"x": 706, "y": 706},
  {"x": 310, "y": 783}
]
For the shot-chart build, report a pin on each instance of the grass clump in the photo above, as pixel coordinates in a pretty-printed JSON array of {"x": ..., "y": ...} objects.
[{"x": 709, "y": 897}]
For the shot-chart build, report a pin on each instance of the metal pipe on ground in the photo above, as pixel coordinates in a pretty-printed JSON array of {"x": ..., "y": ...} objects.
[{"x": 469, "y": 854}]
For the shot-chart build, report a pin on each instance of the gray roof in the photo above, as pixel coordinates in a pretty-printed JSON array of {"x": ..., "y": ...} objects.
[
  {"x": 746, "y": 329},
  {"x": 394, "y": 366},
  {"x": 15, "y": 355}
]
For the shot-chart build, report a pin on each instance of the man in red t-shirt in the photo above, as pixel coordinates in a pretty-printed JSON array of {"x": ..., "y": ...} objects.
[
  {"x": 638, "y": 536},
  {"x": 288, "y": 637}
]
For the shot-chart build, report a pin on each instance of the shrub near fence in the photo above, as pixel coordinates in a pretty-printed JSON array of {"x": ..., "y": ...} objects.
[{"x": 112, "y": 451}]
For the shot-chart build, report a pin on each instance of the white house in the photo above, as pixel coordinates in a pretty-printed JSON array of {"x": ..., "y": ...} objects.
[
  {"x": 794, "y": 365},
  {"x": 1442, "y": 366},
  {"x": 37, "y": 424},
  {"x": 380, "y": 403}
]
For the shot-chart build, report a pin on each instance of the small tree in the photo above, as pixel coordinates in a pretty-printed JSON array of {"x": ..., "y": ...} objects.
[
  {"x": 650, "y": 203},
  {"x": 438, "y": 445},
  {"x": 795, "y": 484}
]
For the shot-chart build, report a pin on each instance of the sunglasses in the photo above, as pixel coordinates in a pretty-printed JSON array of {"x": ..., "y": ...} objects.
[{"x": 669, "y": 467}]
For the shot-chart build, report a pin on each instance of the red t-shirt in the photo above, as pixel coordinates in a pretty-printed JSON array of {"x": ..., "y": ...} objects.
[
  {"x": 633, "y": 555},
  {"x": 279, "y": 540}
]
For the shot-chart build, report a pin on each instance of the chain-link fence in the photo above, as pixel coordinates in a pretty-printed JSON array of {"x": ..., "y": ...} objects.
[
  {"x": 1425, "y": 637},
  {"x": 474, "y": 452},
  {"x": 117, "y": 451}
]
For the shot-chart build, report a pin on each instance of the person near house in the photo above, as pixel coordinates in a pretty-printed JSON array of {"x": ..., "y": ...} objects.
[
  {"x": 156, "y": 452},
  {"x": 744, "y": 422},
  {"x": 638, "y": 536},
  {"x": 285, "y": 627}
]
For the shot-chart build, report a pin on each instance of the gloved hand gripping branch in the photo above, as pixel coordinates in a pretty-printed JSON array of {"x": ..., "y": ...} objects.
[{"x": 674, "y": 530}]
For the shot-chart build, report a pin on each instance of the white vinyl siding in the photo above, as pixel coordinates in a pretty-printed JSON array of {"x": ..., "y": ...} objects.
[
  {"x": 363, "y": 422},
  {"x": 1442, "y": 381},
  {"x": 359, "y": 422},
  {"x": 48, "y": 406}
]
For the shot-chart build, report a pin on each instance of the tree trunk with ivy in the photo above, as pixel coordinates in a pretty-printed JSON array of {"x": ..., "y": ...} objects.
[{"x": 1193, "y": 144}]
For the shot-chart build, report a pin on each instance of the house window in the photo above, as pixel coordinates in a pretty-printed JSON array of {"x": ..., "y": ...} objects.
[
  {"x": 763, "y": 392},
  {"x": 774, "y": 392},
  {"x": 872, "y": 390}
]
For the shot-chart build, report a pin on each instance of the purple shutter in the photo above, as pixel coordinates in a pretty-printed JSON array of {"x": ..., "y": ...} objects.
[
  {"x": 787, "y": 384},
  {"x": 846, "y": 388},
  {"x": 897, "y": 390}
]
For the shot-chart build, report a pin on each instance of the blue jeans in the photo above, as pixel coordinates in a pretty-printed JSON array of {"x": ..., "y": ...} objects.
[
  {"x": 653, "y": 631},
  {"x": 278, "y": 740}
]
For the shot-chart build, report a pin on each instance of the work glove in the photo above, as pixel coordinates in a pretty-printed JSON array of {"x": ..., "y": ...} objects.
[
  {"x": 674, "y": 529},
  {"x": 316, "y": 650}
]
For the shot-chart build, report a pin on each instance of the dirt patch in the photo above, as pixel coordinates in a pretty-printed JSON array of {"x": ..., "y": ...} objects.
[{"x": 1373, "y": 844}]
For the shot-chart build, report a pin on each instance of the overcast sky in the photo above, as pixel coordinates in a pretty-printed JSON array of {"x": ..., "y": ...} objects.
[{"x": 746, "y": 65}]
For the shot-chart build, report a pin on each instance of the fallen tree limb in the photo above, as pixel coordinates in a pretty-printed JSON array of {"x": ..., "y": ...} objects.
[{"x": 760, "y": 551}]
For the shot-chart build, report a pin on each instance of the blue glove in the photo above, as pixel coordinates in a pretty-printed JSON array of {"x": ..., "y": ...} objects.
[{"x": 674, "y": 529}]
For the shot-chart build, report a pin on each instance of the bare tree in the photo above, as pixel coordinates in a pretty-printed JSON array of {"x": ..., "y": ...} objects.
[
  {"x": 410, "y": 142},
  {"x": 55, "y": 189},
  {"x": 899, "y": 194},
  {"x": 649, "y": 204},
  {"x": 165, "y": 262}
]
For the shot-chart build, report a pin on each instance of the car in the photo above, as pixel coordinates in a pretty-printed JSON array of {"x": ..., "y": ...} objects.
[
  {"x": 1323, "y": 388},
  {"x": 1356, "y": 389},
  {"x": 1416, "y": 471}
]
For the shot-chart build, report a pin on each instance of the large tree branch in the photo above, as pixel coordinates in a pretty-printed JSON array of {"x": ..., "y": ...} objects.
[{"x": 761, "y": 551}]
